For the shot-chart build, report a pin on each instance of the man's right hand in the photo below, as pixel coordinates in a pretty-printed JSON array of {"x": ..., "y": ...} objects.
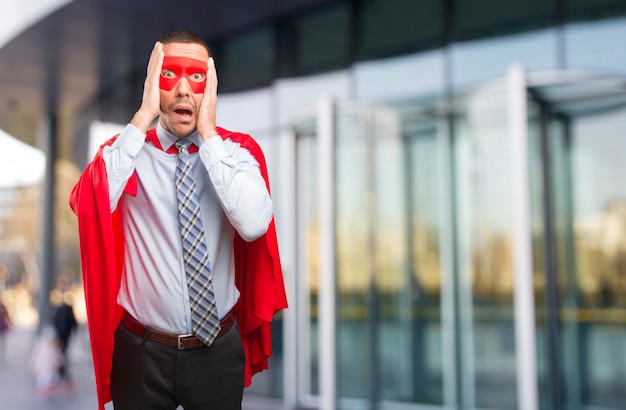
[{"x": 150, "y": 103}]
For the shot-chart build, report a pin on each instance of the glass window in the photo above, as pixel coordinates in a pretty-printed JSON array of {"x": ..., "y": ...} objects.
[
  {"x": 476, "y": 61},
  {"x": 389, "y": 330},
  {"x": 578, "y": 10},
  {"x": 392, "y": 27},
  {"x": 579, "y": 240},
  {"x": 246, "y": 60},
  {"x": 355, "y": 258},
  {"x": 403, "y": 77},
  {"x": 308, "y": 254},
  {"x": 315, "y": 42},
  {"x": 582, "y": 40},
  {"x": 485, "y": 254},
  {"x": 488, "y": 18},
  {"x": 419, "y": 304},
  {"x": 589, "y": 244}
]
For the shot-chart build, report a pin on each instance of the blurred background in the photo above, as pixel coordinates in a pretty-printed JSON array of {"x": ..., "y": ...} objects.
[{"x": 447, "y": 178}]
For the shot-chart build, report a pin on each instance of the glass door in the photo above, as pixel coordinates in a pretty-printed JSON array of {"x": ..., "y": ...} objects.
[
  {"x": 464, "y": 254},
  {"x": 388, "y": 329},
  {"x": 491, "y": 254},
  {"x": 577, "y": 234},
  {"x": 579, "y": 140}
]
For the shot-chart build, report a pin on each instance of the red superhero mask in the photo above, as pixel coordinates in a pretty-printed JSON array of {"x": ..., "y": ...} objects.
[{"x": 175, "y": 68}]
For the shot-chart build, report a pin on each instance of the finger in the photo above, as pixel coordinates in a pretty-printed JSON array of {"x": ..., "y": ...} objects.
[
  {"x": 211, "y": 84},
  {"x": 156, "y": 61},
  {"x": 151, "y": 96},
  {"x": 212, "y": 66},
  {"x": 209, "y": 100}
]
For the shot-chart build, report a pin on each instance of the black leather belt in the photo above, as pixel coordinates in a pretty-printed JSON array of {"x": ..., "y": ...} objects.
[{"x": 182, "y": 342}]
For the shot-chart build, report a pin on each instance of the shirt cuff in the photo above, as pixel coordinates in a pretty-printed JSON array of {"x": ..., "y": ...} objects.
[
  {"x": 131, "y": 140},
  {"x": 213, "y": 150}
]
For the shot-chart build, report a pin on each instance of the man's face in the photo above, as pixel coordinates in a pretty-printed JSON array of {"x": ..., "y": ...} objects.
[
  {"x": 182, "y": 81},
  {"x": 176, "y": 68}
]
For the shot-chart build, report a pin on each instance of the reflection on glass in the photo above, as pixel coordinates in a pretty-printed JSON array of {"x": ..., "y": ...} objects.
[
  {"x": 582, "y": 40},
  {"x": 594, "y": 305},
  {"x": 308, "y": 253},
  {"x": 482, "y": 60},
  {"x": 354, "y": 258},
  {"x": 388, "y": 269},
  {"x": 424, "y": 282},
  {"x": 581, "y": 243},
  {"x": 390, "y": 330},
  {"x": 485, "y": 253},
  {"x": 306, "y": 279}
]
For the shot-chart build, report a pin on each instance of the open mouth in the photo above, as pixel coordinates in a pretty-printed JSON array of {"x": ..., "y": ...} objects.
[{"x": 184, "y": 112}]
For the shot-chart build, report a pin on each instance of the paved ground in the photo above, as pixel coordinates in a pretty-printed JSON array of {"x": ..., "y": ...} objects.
[{"x": 17, "y": 383}]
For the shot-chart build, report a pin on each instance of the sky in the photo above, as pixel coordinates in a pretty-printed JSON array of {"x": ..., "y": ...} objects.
[{"x": 20, "y": 164}]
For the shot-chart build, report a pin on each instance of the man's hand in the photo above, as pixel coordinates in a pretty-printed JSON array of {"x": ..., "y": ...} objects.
[
  {"x": 206, "y": 114},
  {"x": 150, "y": 103}
]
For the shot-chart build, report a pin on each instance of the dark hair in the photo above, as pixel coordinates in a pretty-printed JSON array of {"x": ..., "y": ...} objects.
[{"x": 185, "y": 36}]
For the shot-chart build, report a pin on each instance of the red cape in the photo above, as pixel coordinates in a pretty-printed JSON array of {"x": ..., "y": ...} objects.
[{"x": 258, "y": 273}]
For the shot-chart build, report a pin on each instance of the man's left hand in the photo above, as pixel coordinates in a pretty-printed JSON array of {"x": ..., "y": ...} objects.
[{"x": 206, "y": 114}]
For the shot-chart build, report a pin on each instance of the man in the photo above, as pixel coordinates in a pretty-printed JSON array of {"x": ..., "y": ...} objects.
[{"x": 141, "y": 273}]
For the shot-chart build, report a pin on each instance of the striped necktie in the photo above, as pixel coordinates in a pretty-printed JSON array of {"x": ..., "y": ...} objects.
[{"x": 205, "y": 322}]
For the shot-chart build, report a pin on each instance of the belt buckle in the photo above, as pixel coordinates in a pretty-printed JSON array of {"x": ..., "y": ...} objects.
[{"x": 180, "y": 340}]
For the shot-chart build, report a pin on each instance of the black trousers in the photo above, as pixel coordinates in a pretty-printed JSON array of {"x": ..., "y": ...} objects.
[{"x": 154, "y": 376}]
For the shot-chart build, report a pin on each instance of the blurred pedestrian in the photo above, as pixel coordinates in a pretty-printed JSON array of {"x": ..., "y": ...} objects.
[
  {"x": 45, "y": 360},
  {"x": 5, "y": 325},
  {"x": 64, "y": 324}
]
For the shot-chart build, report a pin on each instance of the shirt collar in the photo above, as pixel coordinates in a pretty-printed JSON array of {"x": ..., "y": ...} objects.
[{"x": 167, "y": 139}]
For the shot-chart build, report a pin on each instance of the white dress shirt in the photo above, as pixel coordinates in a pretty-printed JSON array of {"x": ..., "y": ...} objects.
[{"x": 232, "y": 194}]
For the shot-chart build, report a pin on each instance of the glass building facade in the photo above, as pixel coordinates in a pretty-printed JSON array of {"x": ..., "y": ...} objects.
[
  {"x": 448, "y": 187},
  {"x": 449, "y": 198}
]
